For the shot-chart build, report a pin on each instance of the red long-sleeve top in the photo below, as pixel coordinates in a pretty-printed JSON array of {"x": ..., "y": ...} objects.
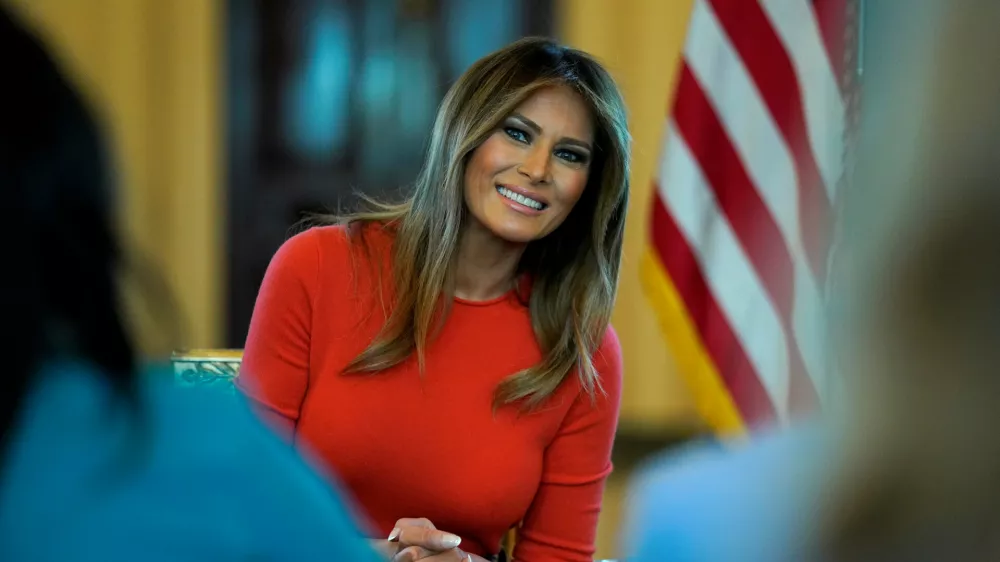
[{"x": 412, "y": 445}]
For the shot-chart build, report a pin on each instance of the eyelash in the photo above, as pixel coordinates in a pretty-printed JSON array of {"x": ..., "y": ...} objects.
[{"x": 569, "y": 156}]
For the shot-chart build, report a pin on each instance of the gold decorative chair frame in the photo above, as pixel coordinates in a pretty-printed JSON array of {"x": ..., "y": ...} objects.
[{"x": 207, "y": 367}]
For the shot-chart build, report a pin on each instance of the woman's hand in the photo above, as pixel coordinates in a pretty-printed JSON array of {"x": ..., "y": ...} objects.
[{"x": 419, "y": 539}]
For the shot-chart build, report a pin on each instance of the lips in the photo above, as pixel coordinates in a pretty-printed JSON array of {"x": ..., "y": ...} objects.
[{"x": 522, "y": 197}]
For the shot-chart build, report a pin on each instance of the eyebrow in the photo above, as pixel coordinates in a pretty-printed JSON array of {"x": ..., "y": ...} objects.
[{"x": 537, "y": 129}]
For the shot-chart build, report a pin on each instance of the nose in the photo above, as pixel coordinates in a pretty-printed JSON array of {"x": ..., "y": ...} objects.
[{"x": 536, "y": 165}]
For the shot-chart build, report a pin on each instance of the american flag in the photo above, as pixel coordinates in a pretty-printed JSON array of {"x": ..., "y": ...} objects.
[{"x": 745, "y": 191}]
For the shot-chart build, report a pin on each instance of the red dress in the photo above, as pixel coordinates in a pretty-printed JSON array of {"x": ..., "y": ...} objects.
[{"x": 407, "y": 445}]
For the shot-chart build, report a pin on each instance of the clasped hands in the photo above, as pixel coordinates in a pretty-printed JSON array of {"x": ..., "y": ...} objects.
[{"x": 418, "y": 539}]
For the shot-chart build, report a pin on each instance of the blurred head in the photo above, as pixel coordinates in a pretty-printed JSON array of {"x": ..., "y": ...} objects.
[
  {"x": 59, "y": 297},
  {"x": 532, "y": 144},
  {"x": 922, "y": 457}
]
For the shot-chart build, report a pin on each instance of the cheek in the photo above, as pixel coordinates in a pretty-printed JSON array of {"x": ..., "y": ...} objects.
[
  {"x": 475, "y": 171},
  {"x": 571, "y": 187},
  {"x": 487, "y": 160}
]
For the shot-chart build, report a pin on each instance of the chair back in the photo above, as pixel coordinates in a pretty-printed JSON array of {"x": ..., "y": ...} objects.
[{"x": 201, "y": 368}]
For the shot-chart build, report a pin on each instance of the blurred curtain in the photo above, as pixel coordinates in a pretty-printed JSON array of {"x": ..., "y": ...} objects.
[
  {"x": 640, "y": 41},
  {"x": 150, "y": 67}
]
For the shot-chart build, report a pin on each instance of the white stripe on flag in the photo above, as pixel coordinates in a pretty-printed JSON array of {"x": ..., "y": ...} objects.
[
  {"x": 727, "y": 270},
  {"x": 795, "y": 23},
  {"x": 765, "y": 155}
]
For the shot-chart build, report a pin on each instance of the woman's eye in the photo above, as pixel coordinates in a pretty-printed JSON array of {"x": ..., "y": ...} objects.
[
  {"x": 516, "y": 134},
  {"x": 571, "y": 156}
]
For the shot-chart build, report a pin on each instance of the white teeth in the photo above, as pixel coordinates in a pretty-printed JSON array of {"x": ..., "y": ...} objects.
[{"x": 526, "y": 201}]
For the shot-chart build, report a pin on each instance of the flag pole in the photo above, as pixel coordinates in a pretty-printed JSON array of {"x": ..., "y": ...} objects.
[
  {"x": 859, "y": 67},
  {"x": 852, "y": 79}
]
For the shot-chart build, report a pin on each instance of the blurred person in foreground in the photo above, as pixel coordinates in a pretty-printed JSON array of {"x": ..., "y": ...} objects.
[
  {"x": 450, "y": 355},
  {"x": 907, "y": 468},
  {"x": 99, "y": 462}
]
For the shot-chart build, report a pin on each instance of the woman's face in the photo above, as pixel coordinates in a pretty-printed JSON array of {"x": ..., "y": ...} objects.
[{"x": 522, "y": 182}]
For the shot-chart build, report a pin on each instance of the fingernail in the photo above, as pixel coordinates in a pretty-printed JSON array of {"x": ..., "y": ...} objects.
[
  {"x": 451, "y": 541},
  {"x": 468, "y": 558},
  {"x": 394, "y": 535}
]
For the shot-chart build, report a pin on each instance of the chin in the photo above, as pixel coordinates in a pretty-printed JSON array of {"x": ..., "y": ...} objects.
[{"x": 515, "y": 234}]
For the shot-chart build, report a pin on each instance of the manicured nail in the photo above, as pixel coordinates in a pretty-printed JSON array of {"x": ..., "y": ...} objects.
[
  {"x": 451, "y": 541},
  {"x": 468, "y": 558},
  {"x": 394, "y": 535}
]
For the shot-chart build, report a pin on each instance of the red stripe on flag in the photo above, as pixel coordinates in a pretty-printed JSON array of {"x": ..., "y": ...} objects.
[
  {"x": 722, "y": 345},
  {"x": 749, "y": 217},
  {"x": 832, "y": 17},
  {"x": 772, "y": 71}
]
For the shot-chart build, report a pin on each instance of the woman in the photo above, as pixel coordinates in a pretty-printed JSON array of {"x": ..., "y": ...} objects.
[
  {"x": 96, "y": 461},
  {"x": 907, "y": 468},
  {"x": 450, "y": 356}
]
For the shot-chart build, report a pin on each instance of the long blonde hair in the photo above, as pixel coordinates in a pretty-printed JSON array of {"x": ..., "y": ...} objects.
[{"x": 573, "y": 272}]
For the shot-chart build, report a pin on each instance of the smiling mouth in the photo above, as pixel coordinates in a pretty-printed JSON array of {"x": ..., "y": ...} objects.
[{"x": 518, "y": 198}]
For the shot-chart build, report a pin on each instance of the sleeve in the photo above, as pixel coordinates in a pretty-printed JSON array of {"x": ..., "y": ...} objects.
[
  {"x": 275, "y": 370},
  {"x": 561, "y": 523}
]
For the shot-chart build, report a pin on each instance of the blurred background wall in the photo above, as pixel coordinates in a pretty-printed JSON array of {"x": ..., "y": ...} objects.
[{"x": 231, "y": 118}]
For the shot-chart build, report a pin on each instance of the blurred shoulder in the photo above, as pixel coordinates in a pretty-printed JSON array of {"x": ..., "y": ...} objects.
[
  {"x": 296, "y": 509},
  {"x": 765, "y": 455},
  {"x": 195, "y": 463},
  {"x": 215, "y": 426},
  {"x": 756, "y": 493}
]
